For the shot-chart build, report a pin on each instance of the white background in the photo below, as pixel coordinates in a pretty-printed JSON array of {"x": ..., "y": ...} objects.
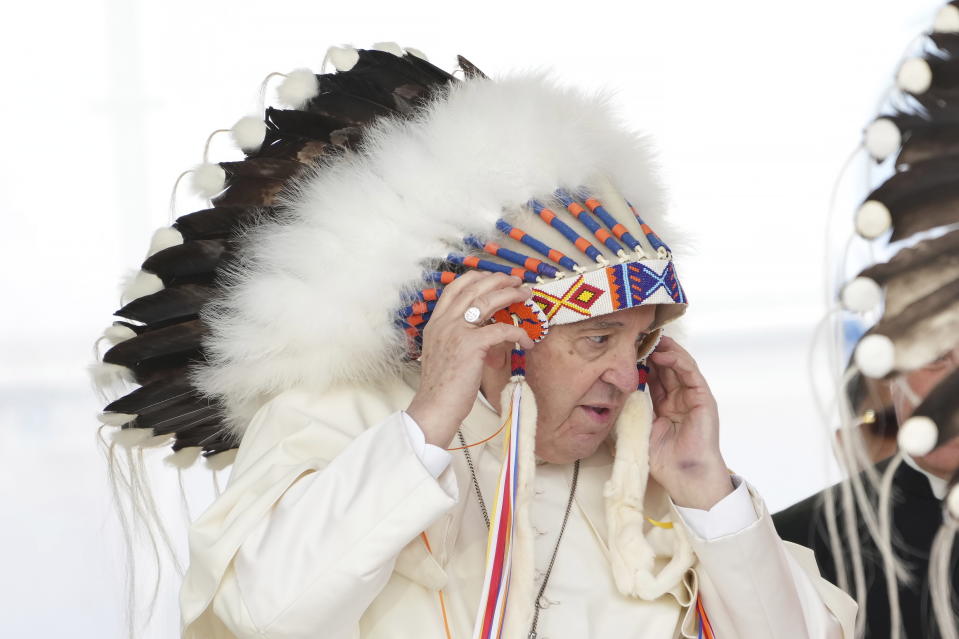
[{"x": 755, "y": 107}]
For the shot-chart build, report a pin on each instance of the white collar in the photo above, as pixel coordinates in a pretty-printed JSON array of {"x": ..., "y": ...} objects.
[
  {"x": 937, "y": 484},
  {"x": 482, "y": 398}
]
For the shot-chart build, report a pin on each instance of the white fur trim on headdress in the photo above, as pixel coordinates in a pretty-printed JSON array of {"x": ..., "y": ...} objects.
[
  {"x": 298, "y": 87},
  {"x": 343, "y": 58},
  {"x": 918, "y": 436},
  {"x": 163, "y": 238},
  {"x": 522, "y": 579},
  {"x": 952, "y": 502},
  {"x": 184, "y": 458},
  {"x": 248, "y": 133},
  {"x": 221, "y": 460},
  {"x": 130, "y": 437},
  {"x": 914, "y": 76},
  {"x": 416, "y": 52},
  {"x": 530, "y": 135},
  {"x": 882, "y": 138},
  {"x": 947, "y": 20},
  {"x": 872, "y": 219},
  {"x": 116, "y": 333},
  {"x": 875, "y": 355},
  {"x": 208, "y": 179},
  {"x": 389, "y": 47},
  {"x": 108, "y": 379},
  {"x": 140, "y": 285},
  {"x": 632, "y": 553},
  {"x": 861, "y": 295},
  {"x": 115, "y": 419}
]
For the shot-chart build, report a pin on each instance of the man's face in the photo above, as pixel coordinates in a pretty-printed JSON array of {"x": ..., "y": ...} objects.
[{"x": 582, "y": 374}]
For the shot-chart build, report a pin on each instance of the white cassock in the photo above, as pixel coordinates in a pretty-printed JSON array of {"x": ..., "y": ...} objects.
[{"x": 318, "y": 534}]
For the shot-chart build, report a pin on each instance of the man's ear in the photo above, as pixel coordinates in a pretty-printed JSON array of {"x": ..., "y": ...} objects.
[{"x": 498, "y": 356}]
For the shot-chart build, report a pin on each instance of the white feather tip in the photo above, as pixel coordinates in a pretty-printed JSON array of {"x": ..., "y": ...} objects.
[
  {"x": 164, "y": 238},
  {"x": 952, "y": 502},
  {"x": 184, "y": 458},
  {"x": 947, "y": 20},
  {"x": 416, "y": 52},
  {"x": 106, "y": 376},
  {"x": 208, "y": 179},
  {"x": 343, "y": 58},
  {"x": 872, "y": 219},
  {"x": 116, "y": 333},
  {"x": 388, "y": 47},
  {"x": 861, "y": 295},
  {"x": 914, "y": 76},
  {"x": 115, "y": 419},
  {"x": 918, "y": 436},
  {"x": 882, "y": 138},
  {"x": 129, "y": 437},
  {"x": 140, "y": 285},
  {"x": 875, "y": 355},
  {"x": 298, "y": 87},
  {"x": 221, "y": 460},
  {"x": 248, "y": 133}
]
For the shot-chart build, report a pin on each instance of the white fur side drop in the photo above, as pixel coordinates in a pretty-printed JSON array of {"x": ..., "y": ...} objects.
[
  {"x": 298, "y": 87},
  {"x": 861, "y": 295},
  {"x": 875, "y": 356},
  {"x": 208, "y": 179},
  {"x": 918, "y": 436},
  {"x": 633, "y": 554},
  {"x": 248, "y": 133}
]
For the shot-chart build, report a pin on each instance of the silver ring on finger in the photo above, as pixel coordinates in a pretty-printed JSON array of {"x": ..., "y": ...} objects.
[{"x": 472, "y": 315}]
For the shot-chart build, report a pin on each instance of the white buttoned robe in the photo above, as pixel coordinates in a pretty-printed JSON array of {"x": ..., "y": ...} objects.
[{"x": 318, "y": 534}]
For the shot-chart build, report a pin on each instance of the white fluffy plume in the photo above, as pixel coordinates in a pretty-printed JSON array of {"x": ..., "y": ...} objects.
[
  {"x": 298, "y": 88},
  {"x": 248, "y": 133},
  {"x": 315, "y": 300}
]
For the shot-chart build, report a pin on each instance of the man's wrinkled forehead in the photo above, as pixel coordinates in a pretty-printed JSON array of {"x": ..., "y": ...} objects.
[{"x": 643, "y": 317}]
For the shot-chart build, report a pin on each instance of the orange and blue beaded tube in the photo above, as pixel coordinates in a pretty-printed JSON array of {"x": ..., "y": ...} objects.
[
  {"x": 579, "y": 212},
  {"x": 540, "y": 247},
  {"x": 550, "y": 217},
  {"x": 618, "y": 229},
  {"x": 654, "y": 240},
  {"x": 527, "y": 262}
]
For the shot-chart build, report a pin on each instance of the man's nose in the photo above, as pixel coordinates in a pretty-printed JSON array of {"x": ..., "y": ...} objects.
[{"x": 621, "y": 370}]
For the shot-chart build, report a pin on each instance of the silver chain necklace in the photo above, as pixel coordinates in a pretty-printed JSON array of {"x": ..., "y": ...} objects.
[{"x": 538, "y": 605}]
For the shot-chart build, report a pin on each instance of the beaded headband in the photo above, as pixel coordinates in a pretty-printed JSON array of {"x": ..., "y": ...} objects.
[{"x": 628, "y": 275}]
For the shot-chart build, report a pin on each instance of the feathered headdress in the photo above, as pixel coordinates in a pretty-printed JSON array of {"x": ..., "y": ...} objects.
[
  {"x": 914, "y": 295},
  {"x": 327, "y": 248}
]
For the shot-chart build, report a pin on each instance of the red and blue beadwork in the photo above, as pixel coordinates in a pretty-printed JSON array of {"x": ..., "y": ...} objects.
[{"x": 629, "y": 275}]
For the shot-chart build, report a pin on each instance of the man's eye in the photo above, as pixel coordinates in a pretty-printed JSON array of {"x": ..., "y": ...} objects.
[{"x": 598, "y": 339}]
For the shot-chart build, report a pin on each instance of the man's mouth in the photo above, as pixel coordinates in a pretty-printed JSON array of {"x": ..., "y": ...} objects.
[{"x": 599, "y": 413}]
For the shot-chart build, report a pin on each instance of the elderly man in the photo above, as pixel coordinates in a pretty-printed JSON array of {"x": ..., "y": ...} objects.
[{"x": 437, "y": 357}]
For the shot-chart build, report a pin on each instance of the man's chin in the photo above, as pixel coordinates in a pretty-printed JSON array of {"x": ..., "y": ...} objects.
[{"x": 573, "y": 447}]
